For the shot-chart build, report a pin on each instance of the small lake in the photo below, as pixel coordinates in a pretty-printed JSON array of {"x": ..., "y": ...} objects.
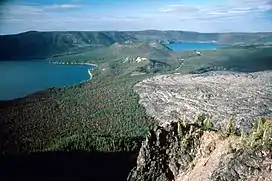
[
  {"x": 20, "y": 78},
  {"x": 193, "y": 46}
]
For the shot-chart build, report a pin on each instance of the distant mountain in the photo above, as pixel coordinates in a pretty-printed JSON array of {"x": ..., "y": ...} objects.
[
  {"x": 35, "y": 45},
  {"x": 39, "y": 45}
]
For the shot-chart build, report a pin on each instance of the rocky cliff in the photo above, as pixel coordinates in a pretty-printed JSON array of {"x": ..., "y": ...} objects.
[
  {"x": 193, "y": 154},
  {"x": 183, "y": 148}
]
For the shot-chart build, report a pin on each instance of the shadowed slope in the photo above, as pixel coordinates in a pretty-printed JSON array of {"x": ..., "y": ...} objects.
[{"x": 67, "y": 166}]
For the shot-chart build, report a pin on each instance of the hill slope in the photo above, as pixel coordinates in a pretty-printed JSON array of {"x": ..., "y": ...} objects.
[
  {"x": 106, "y": 105},
  {"x": 35, "y": 45}
]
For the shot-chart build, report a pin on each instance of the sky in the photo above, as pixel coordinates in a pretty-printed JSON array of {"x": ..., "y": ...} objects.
[{"x": 104, "y": 15}]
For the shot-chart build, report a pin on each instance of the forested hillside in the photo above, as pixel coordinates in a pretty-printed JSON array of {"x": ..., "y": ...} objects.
[{"x": 40, "y": 45}]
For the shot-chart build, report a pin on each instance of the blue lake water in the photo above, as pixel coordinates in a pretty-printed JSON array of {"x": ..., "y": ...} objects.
[
  {"x": 20, "y": 78},
  {"x": 193, "y": 46}
]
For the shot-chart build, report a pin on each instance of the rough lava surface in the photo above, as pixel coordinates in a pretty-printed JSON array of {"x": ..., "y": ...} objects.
[{"x": 222, "y": 95}]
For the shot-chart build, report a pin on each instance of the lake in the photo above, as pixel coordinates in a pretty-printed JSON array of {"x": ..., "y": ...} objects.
[
  {"x": 20, "y": 78},
  {"x": 193, "y": 46}
]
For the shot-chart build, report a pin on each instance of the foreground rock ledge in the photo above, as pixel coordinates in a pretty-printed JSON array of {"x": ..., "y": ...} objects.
[
  {"x": 242, "y": 96},
  {"x": 192, "y": 154}
]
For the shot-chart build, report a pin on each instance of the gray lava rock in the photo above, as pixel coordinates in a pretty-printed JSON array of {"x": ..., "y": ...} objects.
[{"x": 222, "y": 95}]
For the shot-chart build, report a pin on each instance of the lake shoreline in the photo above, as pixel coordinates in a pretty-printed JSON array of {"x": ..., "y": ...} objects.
[
  {"x": 191, "y": 46},
  {"x": 213, "y": 41},
  {"x": 72, "y": 63},
  {"x": 47, "y": 75},
  {"x": 76, "y": 63}
]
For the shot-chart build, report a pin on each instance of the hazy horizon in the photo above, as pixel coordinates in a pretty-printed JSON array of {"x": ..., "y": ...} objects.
[
  {"x": 211, "y": 16},
  {"x": 132, "y": 31}
]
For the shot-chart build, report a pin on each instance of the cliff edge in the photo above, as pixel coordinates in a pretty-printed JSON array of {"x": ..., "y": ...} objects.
[
  {"x": 212, "y": 127},
  {"x": 191, "y": 153}
]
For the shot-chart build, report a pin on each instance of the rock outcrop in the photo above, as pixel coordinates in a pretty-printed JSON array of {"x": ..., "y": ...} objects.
[
  {"x": 188, "y": 151},
  {"x": 162, "y": 155},
  {"x": 222, "y": 95},
  {"x": 192, "y": 154},
  {"x": 136, "y": 59}
]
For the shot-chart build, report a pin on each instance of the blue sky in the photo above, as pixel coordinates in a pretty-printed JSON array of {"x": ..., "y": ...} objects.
[{"x": 92, "y": 15}]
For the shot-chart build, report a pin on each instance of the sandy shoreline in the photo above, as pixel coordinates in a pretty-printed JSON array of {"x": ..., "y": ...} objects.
[
  {"x": 76, "y": 63},
  {"x": 73, "y": 63}
]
